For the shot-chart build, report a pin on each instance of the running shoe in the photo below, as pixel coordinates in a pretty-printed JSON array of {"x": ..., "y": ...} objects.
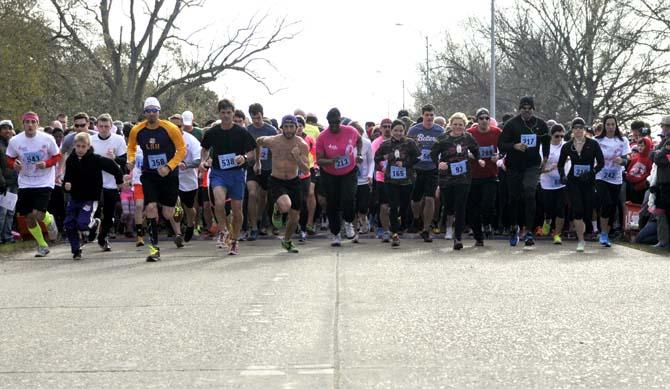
[
  {"x": 105, "y": 246},
  {"x": 253, "y": 235},
  {"x": 52, "y": 229},
  {"x": 275, "y": 231},
  {"x": 76, "y": 255},
  {"x": 479, "y": 243},
  {"x": 355, "y": 238},
  {"x": 277, "y": 218},
  {"x": 449, "y": 234},
  {"x": 580, "y": 246},
  {"x": 557, "y": 239},
  {"x": 42, "y": 251},
  {"x": 288, "y": 246},
  {"x": 349, "y": 230},
  {"x": 436, "y": 229},
  {"x": 93, "y": 231},
  {"x": 154, "y": 254},
  {"x": 458, "y": 245},
  {"x": 529, "y": 241},
  {"x": 337, "y": 241},
  {"x": 546, "y": 228},
  {"x": 188, "y": 234},
  {"x": 605, "y": 240},
  {"x": 395, "y": 240},
  {"x": 425, "y": 235},
  {"x": 179, "y": 241},
  {"x": 386, "y": 237},
  {"x": 310, "y": 230},
  {"x": 380, "y": 232},
  {"x": 140, "y": 241},
  {"x": 303, "y": 237},
  {"x": 233, "y": 248},
  {"x": 514, "y": 236},
  {"x": 222, "y": 240}
]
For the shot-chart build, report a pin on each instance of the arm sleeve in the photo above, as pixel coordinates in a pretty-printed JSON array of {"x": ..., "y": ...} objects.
[
  {"x": 505, "y": 142},
  {"x": 473, "y": 146},
  {"x": 435, "y": 152},
  {"x": 600, "y": 160},
  {"x": 178, "y": 141},
  {"x": 53, "y": 161},
  {"x": 546, "y": 143},
  {"x": 121, "y": 160},
  {"x": 132, "y": 143}
]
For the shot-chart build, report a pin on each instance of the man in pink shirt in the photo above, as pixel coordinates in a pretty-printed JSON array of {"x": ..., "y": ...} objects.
[{"x": 338, "y": 150}]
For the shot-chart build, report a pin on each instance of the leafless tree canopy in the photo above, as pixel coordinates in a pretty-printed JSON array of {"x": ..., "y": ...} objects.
[{"x": 148, "y": 60}]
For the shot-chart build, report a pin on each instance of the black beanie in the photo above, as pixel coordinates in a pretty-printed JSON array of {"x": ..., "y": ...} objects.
[
  {"x": 527, "y": 100},
  {"x": 481, "y": 111}
]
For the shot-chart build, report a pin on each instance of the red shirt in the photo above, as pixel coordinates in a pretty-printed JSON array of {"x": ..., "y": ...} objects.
[{"x": 488, "y": 146}]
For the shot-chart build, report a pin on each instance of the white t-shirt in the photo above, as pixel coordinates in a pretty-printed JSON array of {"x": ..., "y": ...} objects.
[
  {"x": 552, "y": 180},
  {"x": 366, "y": 168},
  {"x": 116, "y": 144},
  {"x": 612, "y": 148},
  {"x": 30, "y": 151},
  {"x": 137, "y": 170},
  {"x": 188, "y": 178}
]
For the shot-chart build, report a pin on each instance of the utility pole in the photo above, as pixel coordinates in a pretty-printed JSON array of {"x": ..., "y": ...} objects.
[{"x": 493, "y": 61}]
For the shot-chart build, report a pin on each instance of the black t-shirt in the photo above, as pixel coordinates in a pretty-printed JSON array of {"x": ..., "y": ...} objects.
[{"x": 222, "y": 143}]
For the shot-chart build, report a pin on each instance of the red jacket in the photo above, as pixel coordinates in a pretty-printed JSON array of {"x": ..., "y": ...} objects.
[{"x": 639, "y": 167}]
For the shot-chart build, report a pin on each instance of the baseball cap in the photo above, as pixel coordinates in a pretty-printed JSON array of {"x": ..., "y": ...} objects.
[
  {"x": 289, "y": 119},
  {"x": 6, "y": 123},
  {"x": 187, "y": 118}
]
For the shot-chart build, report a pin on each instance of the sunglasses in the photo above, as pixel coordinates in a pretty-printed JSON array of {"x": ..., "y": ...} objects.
[
  {"x": 483, "y": 118},
  {"x": 80, "y": 125},
  {"x": 578, "y": 127},
  {"x": 151, "y": 110}
]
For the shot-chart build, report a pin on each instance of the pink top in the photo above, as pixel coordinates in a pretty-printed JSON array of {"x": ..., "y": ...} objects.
[
  {"x": 341, "y": 147},
  {"x": 379, "y": 173}
]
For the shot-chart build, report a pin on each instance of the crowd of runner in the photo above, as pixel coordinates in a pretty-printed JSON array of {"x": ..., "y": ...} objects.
[{"x": 244, "y": 176}]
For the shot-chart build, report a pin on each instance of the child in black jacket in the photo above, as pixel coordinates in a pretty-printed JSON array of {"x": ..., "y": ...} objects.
[{"x": 83, "y": 179}]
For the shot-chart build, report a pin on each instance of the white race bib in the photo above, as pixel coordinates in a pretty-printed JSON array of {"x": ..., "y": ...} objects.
[
  {"x": 610, "y": 174},
  {"x": 156, "y": 161},
  {"x": 227, "y": 161},
  {"x": 342, "y": 162},
  {"x": 32, "y": 157},
  {"x": 398, "y": 173},
  {"x": 486, "y": 152},
  {"x": 458, "y": 168},
  {"x": 425, "y": 155},
  {"x": 578, "y": 170},
  {"x": 264, "y": 153},
  {"x": 529, "y": 140}
]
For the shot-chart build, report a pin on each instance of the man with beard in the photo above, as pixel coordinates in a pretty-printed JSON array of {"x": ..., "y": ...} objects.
[{"x": 289, "y": 155}]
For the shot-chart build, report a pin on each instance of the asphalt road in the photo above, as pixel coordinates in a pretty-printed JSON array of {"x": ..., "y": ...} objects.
[{"x": 355, "y": 317}]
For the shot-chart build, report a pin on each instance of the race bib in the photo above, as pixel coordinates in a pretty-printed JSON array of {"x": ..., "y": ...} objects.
[
  {"x": 342, "y": 162},
  {"x": 529, "y": 140},
  {"x": 557, "y": 181},
  {"x": 578, "y": 170},
  {"x": 156, "y": 161},
  {"x": 610, "y": 174},
  {"x": 398, "y": 173},
  {"x": 425, "y": 155},
  {"x": 227, "y": 161},
  {"x": 486, "y": 152},
  {"x": 458, "y": 168},
  {"x": 264, "y": 153},
  {"x": 32, "y": 157}
]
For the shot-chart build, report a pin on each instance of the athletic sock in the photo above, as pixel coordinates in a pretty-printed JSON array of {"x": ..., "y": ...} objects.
[
  {"x": 153, "y": 231},
  {"x": 36, "y": 232}
]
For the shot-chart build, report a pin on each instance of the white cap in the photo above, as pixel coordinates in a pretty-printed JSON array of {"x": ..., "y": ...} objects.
[
  {"x": 6, "y": 123},
  {"x": 187, "y": 118},
  {"x": 152, "y": 102}
]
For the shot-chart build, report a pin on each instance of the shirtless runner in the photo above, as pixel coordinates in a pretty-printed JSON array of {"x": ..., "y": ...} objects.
[{"x": 289, "y": 155}]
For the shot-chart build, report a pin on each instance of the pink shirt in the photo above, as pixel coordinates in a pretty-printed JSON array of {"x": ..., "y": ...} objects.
[
  {"x": 341, "y": 147},
  {"x": 379, "y": 174}
]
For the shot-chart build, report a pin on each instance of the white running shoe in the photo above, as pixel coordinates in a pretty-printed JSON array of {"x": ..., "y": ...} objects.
[
  {"x": 449, "y": 235},
  {"x": 222, "y": 240},
  {"x": 349, "y": 230},
  {"x": 336, "y": 242}
]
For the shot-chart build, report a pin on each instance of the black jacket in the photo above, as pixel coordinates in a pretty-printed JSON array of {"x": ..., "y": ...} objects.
[
  {"x": 511, "y": 134},
  {"x": 591, "y": 153},
  {"x": 85, "y": 175}
]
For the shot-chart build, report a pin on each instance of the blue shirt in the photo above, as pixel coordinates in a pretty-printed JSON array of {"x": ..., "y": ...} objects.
[
  {"x": 266, "y": 155},
  {"x": 425, "y": 138}
]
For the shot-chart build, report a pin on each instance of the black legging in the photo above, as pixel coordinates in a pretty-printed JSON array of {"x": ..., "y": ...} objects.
[
  {"x": 608, "y": 196},
  {"x": 110, "y": 197},
  {"x": 482, "y": 203},
  {"x": 341, "y": 198},
  {"x": 522, "y": 185},
  {"x": 399, "y": 196},
  {"x": 580, "y": 195},
  {"x": 554, "y": 203},
  {"x": 456, "y": 197}
]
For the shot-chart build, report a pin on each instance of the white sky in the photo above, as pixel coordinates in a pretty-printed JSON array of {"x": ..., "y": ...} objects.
[{"x": 349, "y": 54}]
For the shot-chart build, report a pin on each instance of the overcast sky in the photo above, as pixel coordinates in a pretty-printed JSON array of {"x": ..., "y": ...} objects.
[{"x": 349, "y": 54}]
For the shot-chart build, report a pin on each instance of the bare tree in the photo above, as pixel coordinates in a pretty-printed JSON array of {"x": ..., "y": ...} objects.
[{"x": 134, "y": 65}]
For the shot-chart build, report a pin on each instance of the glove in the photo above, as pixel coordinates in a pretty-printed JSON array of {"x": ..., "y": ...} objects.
[{"x": 564, "y": 180}]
